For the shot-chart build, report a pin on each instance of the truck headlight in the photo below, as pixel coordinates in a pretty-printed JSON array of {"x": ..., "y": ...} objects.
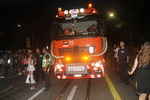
[
  {"x": 58, "y": 66},
  {"x": 97, "y": 64}
]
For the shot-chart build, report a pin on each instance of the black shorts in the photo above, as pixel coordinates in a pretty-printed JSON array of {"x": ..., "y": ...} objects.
[
  {"x": 19, "y": 65},
  {"x": 25, "y": 65},
  {"x": 0, "y": 65}
]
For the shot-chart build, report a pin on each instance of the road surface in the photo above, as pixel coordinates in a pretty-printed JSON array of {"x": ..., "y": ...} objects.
[{"x": 106, "y": 88}]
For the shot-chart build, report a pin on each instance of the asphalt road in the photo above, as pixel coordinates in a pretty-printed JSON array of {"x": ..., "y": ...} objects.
[{"x": 106, "y": 88}]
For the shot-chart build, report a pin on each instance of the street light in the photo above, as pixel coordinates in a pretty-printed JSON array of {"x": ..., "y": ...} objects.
[
  {"x": 111, "y": 15},
  {"x": 19, "y": 25}
]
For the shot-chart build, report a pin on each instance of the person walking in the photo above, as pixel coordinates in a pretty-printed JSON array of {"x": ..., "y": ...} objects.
[
  {"x": 142, "y": 62},
  {"x": 47, "y": 63},
  {"x": 38, "y": 65},
  {"x": 31, "y": 69},
  {"x": 123, "y": 60}
]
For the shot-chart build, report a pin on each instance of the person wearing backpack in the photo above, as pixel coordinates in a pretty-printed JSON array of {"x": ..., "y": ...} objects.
[{"x": 47, "y": 63}]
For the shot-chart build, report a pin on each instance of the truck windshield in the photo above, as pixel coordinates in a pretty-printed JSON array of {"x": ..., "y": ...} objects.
[
  {"x": 79, "y": 27},
  {"x": 76, "y": 28}
]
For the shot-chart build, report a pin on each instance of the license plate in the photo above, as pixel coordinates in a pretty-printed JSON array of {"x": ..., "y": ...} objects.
[
  {"x": 76, "y": 69},
  {"x": 74, "y": 13}
]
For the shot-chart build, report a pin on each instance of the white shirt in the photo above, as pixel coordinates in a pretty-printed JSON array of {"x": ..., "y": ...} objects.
[
  {"x": 116, "y": 52},
  {"x": 1, "y": 61}
]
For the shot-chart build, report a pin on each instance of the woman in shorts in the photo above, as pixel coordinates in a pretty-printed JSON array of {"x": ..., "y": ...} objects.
[{"x": 30, "y": 69}]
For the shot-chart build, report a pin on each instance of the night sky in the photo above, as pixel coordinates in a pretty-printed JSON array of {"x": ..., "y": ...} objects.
[
  {"x": 5, "y": 2},
  {"x": 36, "y": 16}
]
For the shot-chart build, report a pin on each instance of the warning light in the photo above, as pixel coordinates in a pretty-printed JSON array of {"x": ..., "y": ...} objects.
[
  {"x": 89, "y": 5},
  {"x": 85, "y": 58},
  {"x": 68, "y": 58},
  {"x": 59, "y": 9}
]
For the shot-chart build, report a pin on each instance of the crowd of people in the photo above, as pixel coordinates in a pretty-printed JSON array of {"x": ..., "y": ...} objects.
[
  {"x": 11, "y": 61},
  {"x": 120, "y": 60},
  {"x": 32, "y": 64},
  {"x": 41, "y": 62}
]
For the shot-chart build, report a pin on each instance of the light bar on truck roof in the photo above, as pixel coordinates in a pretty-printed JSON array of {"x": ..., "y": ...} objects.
[
  {"x": 76, "y": 13},
  {"x": 89, "y": 5},
  {"x": 66, "y": 12},
  {"x": 82, "y": 10},
  {"x": 59, "y": 9}
]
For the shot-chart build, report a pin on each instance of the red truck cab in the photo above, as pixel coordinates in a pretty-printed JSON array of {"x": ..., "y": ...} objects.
[{"x": 79, "y": 44}]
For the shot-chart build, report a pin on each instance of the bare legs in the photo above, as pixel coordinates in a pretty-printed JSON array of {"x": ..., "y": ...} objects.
[
  {"x": 30, "y": 76},
  {"x": 142, "y": 96}
]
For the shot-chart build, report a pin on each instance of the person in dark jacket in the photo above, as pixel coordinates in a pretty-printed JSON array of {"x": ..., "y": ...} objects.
[
  {"x": 123, "y": 60},
  {"x": 38, "y": 66}
]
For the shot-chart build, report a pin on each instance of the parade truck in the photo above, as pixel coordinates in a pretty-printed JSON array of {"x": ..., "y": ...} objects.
[{"x": 78, "y": 44}]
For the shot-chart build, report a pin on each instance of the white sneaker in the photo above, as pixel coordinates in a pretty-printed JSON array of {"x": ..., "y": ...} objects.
[
  {"x": 27, "y": 82},
  {"x": 33, "y": 82},
  {"x": 2, "y": 76},
  {"x": 19, "y": 74}
]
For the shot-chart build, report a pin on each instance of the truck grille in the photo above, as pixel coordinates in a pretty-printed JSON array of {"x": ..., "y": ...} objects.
[
  {"x": 76, "y": 53},
  {"x": 77, "y": 59},
  {"x": 76, "y": 50}
]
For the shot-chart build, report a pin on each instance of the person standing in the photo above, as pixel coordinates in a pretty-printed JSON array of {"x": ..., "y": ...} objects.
[
  {"x": 2, "y": 66},
  {"x": 19, "y": 64},
  {"x": 115, "y": 57},
  {"x": 47, "y": 63},
  {"x": 11, "y": 58},
  {"x": 142, "y": 62},
  {"x": 31, "y": 69},
  {"x": 123, "y": 60},
  {"x": 25, "y": 63},
  {"x": 38, "y": 66}
]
